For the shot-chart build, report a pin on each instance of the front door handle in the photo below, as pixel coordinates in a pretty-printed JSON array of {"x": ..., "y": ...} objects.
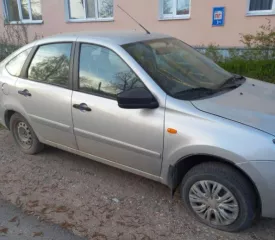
[
  {"x": 25, "y": 93},
  {"x": 82, "y": 107}
]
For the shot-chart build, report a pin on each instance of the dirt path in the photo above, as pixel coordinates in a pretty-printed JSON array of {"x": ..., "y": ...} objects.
[{"x": 101, "y": 202}]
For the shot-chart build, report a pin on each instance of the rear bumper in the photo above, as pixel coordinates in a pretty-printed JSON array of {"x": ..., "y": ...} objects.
[{"x": 262, "y": 174}]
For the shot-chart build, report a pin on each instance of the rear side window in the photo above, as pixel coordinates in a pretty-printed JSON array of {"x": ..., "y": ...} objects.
[
  {"x": 51, "y": 64},
  {"x": 15, "y": 65}
]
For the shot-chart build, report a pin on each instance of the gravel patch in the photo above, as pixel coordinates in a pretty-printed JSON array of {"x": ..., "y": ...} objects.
[{"x": 100, "y": 202}]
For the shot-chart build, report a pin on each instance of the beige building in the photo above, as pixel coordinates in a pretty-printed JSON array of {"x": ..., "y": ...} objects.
[{"x": 189, "y": 20}]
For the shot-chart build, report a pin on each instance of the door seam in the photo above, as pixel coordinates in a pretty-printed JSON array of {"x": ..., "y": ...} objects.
[{"x": 72, "y": 117}]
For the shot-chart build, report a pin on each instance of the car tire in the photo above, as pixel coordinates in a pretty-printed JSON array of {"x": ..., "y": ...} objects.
[
  {"x": 232, "y": 209},
  {"x": 24, "y": 135}
]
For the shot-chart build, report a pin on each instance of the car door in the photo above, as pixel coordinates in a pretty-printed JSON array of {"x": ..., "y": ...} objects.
[
  {"x": 128, "y": 137},
  {"x": 44, "y": 92}
]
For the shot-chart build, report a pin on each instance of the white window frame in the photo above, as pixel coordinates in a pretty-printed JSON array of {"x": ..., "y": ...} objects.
[
  {"x": 174, "y": 15},
  {"x": 23, "y": 21},
  {"x": 96, "y": 19},
  {"x": 260, "y": 12}
]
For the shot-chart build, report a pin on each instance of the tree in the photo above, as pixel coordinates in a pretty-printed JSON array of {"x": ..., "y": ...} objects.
[
  {"x": 126, "y": 81},
  {"x": 52, "y": 69},
  {"x": 167, "y": 8},
  {"x": 106, "y": 9}
]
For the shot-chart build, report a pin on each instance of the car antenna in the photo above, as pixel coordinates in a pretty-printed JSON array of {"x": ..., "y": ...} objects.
[{"x": 134, "y": 19}]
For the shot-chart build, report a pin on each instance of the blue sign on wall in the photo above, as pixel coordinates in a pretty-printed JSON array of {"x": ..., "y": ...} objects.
[{"x": 218, "y": 16}]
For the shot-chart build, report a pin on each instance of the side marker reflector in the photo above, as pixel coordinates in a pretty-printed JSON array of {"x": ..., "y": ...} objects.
[{"x": 172, "y": 130}]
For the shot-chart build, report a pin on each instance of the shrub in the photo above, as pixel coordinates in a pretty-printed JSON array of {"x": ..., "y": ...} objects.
[
  {"x": 13, "y": 37},
  {"x": 258, "y": 69},
  {"x": 213, "y": 52},
  {"x": 263, "y": 41},
  {"x": 255, "y": 60}
]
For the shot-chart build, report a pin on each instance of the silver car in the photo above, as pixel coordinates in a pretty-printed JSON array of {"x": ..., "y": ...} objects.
[{"x": 152, "y": 105}]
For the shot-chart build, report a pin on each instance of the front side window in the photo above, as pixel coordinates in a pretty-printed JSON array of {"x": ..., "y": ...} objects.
[
  {"x": 175, "y": 9},
  {"x": 177, "y": 67},
  {"x": 261, "y": 7},
  {"x": 15, "y": 65},
  {"x": 102, "y": 72},
  {"x": 90, "y": 9},
  {"x": 25, "y": 11},
  {"x": 50, "y": 64}
]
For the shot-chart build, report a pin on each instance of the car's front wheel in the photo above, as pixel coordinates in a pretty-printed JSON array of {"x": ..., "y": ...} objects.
[
  {"x": 220, "y": 196},
  {"x": 24, "y": 135}
]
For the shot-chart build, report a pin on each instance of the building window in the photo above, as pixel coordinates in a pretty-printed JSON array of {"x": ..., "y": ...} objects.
[
  {"x": 23, "y": 11},
  {"x": 175, "y": 9},
  {"x": 90, "y": 10},
  {"x": 261, "y": 7}
]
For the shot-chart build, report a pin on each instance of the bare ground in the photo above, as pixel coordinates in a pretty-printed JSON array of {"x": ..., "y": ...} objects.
[
  {"x": 15, "y": 225},
  {"x": 99, "y": 201}
]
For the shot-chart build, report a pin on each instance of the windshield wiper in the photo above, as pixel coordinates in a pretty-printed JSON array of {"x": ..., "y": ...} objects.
[
  {"x": 232, "y": 82},
  {"x": 194, "y": 93},
  {"x": 237, "y": 76}
]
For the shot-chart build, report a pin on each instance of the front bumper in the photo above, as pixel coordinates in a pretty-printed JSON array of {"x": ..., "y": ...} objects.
[{"x": 262, "y": 173}]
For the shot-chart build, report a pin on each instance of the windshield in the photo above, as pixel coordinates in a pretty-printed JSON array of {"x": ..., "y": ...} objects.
[{"x": 177, "y": 67}]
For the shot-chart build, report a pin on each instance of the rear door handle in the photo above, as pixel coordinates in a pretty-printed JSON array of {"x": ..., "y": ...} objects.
[
  {"x": 82, "y": 107},
  {"x": 25, "y": 93}
]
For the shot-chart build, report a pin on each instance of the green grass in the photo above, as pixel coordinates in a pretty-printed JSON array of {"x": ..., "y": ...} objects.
[
  {"x": 259, "y": 69},
  {"x": 1, "y": 127}
]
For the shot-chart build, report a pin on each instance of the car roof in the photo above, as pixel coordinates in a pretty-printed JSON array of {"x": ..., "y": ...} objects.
[
  {"x": 114, "y": 37},
  {"x": 109, "y": 38}
]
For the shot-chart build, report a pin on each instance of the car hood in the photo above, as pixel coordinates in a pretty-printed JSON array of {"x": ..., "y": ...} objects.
[{"x": 253, "y": 104}]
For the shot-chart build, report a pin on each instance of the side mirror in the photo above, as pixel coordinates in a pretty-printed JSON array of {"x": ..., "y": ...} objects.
[{"x": 137, "y": 98}]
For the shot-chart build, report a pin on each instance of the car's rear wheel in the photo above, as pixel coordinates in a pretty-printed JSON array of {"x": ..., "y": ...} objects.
[
  {"x": 24, "y": 135},
  {"x": 219, "y": 196}
]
